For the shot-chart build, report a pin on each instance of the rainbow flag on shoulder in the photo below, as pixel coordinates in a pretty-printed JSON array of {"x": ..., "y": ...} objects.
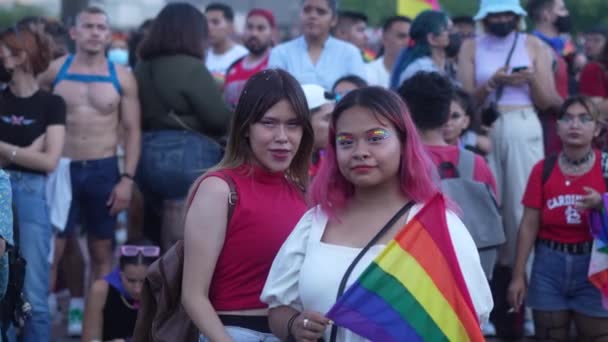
[{"x": 414, "y": 290}]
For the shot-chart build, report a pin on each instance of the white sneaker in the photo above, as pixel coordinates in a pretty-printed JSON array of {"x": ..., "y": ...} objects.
[
  {"x": 54, "y": 308},
  {"x": 488, "y": 329},
  {"x": 75, "y": 316},
  {"x": 529, "y": 330}
]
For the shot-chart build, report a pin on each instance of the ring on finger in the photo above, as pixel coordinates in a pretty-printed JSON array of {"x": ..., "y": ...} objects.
[{"x": 305, "y": 323}]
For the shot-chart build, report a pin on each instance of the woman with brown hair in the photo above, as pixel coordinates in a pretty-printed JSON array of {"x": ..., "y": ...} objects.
[
  {"x": 182, "y": 115},
  {"x": 261, "y": 181},
  {"x": 32, "y": 130}
]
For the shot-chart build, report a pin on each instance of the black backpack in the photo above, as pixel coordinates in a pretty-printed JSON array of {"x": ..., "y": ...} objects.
[{"x": 14, "y": 308}]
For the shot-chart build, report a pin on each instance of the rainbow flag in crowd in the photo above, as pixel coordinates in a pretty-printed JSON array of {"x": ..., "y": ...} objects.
[
  {"x": 414, "y": 290},
  {"x": 369, "y": 55},
  {"x": 598, "y": 265},
  {"x": 411, "y": 8}
]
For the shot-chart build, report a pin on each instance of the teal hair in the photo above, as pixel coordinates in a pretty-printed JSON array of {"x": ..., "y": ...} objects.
[{"x": 429, "y": 21}]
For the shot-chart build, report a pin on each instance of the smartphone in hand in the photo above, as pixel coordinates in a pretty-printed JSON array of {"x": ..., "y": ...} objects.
[{"x": 519, "y": 69}]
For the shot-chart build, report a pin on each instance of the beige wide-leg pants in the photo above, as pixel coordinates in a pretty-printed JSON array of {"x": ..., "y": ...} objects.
[{"x": 517, "y": 137}]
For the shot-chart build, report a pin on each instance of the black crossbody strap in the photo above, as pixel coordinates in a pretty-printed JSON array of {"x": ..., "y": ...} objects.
[
  {"x": 349, "y": 270},
  {"x": 501, "y": 87}
]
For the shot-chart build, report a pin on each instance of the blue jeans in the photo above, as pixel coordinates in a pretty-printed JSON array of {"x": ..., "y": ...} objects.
[
  {"x": 559, "y": 282},
  {"x": 170, "y": 162},
  {"x": 35, "y": 233}
]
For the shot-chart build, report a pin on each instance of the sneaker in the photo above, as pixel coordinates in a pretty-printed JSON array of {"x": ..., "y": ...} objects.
[
  {"x": 54, "y": 308},
  {"x": 488, "y": 329},
  {"x": 529, "y": 327},
  {"x": 75, "y": 317}
]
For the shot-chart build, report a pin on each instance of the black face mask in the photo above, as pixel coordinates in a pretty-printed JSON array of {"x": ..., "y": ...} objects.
[
  {"x": 5, "y": 74},
  {"x": 563, "y": 24},
  {"x": 502, "y": 29},
  {"x": 454, "y": 47}
]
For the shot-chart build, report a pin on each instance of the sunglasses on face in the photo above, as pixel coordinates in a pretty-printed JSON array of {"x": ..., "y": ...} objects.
[{"x": 146, "y": 251}]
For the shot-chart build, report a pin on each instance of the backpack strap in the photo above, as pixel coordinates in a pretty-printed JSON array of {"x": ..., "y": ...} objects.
[
  {"x": 232, "y": 194},
  {"x": 466, "y": 164},
  {"x": 548, "y": 165}
]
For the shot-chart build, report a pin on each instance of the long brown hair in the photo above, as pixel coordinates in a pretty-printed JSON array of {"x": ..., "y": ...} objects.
[
  {"x": 262, "y": 91},
  {"x": 179, "y": 29}
]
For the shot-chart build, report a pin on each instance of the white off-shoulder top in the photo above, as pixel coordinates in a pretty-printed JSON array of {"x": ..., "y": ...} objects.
[{"x": 306, "y": 272}]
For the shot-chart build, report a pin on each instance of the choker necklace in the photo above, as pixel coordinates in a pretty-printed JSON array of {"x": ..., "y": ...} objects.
[
  {"x": 133, "y": 306},
  {"x": 579, "y": 162}
]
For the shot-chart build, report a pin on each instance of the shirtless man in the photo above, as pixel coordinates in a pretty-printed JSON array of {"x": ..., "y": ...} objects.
[{"x": 102, "y": 102}]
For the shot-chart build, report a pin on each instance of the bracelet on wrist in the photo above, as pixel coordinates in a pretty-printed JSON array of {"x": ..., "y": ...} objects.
[
  {"x": 127, "y": 175},
  {"x": 290, "y": 324}
]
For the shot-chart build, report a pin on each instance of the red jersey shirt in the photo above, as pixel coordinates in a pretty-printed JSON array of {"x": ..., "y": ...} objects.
[
  {"x": 236, "y": 77},
  {"x": 560, "y": 220}
]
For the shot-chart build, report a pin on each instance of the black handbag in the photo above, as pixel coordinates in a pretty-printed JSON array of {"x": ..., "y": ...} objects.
[
  {"x": 14, "y": 307},
  {"x": 491, "y": 113}
]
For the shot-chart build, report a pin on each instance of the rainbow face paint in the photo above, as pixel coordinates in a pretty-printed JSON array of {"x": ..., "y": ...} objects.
[
  {"x": 344, "y": 139},
  {"x": 378, "y": 135}
]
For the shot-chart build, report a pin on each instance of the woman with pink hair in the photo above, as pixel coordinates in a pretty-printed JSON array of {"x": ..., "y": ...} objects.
[{"x": 375, "y": 166}]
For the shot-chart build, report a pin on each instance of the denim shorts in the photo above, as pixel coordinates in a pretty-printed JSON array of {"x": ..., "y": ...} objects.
[
  {"x": 92, "y": 184},
  {"x": 239, "y": 334},
  {"x": 559, "y": 282}
]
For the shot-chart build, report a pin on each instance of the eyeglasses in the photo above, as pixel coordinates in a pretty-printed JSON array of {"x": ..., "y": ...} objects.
[
  {"x": 584, "y": 119},
  {"x": 132, "y": 251}
]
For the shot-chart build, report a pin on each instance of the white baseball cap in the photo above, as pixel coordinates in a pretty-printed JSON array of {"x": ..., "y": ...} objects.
[
  {"x": 488, "y": 7},
  {"x": 316, "y": 96}
]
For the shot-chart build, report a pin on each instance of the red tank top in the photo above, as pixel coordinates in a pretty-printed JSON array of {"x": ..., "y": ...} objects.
[
  {"x": 237, "y": 76},
  {"x": 267, "y": 209}
]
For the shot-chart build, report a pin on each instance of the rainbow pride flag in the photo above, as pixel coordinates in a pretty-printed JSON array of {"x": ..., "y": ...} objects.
[
  {"x": 598, "y": 265},
  {"x": 414, "y": 290},
  {"x": 411, "y": 8},
  {"x": 369, "y": 55}
]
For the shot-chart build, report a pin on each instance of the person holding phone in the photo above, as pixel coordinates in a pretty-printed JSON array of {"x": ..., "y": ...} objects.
[
  {"x": 519, "y": 69},
  {"x": 510, "y": 69}
]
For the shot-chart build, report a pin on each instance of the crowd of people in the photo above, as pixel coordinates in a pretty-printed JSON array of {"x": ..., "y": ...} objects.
[{"x": 277, "y": 162}]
